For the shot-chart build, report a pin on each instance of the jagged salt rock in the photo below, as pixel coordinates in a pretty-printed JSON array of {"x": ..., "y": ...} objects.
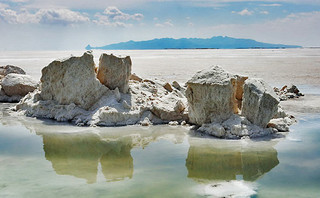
[
  {"x": 9, "y": 69},
  {"x": 72, "y": 80},
  {"x": 135, "y": 77},
  {"x": 145, "y": 122},
  {"x": 213, "y": 95},
  {"x": 280, "y": 113},
  {"x": 173, "y": 123},
  {"x": 18, "y": 84},
  {"x": 260, "y": 103},
  {"x": 114, "y": 72},
  {"x": 214, "y": 129},
  {"x": 176, "y": 85},
  {"x": 179, "y": 106},
  {"x": 168, "y": 87},
  {"x": 281, "y": 124},
  {"x": 6, "y": 98}
]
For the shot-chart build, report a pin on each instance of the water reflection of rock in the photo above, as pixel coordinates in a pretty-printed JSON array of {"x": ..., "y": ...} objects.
[
  {"x": 229, "y": 160},
  {"x": 79, "y": 155}
]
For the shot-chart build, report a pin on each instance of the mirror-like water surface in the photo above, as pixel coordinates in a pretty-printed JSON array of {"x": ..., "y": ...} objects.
[{"x": 41, "y": 158}]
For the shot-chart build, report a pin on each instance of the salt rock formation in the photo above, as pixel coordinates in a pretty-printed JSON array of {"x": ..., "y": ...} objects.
[
  {"x": 114, "y": 72},
  {"x": 18, "y": 84},
  {"x": 135, "y": 77},
  {"x": 14, "y": 83},
  {"x": 72, "y": 81},
  {"x": 6, "y": 98},
  {"x": 223, "y": 104},
  {"x": 232, "y": 106},
  {"x": 212, "y": 95},
  {"x": 5, "y": 70},
  {"x": 260, "y": 103},
  {"x": 286, "y": 92},
  {"x": 234, "y": 128},
  {"x": 70, "y": 91}
]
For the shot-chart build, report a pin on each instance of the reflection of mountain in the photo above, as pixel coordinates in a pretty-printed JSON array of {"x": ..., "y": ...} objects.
[
  {"x": 79, "y": 154},
  {"x": 213, "y": 162}
]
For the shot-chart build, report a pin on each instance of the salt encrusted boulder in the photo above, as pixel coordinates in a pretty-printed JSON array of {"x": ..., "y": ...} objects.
[
  {"x": 6, "y": 98},
  {"x": 212, "y": 95},
  {"x": 135, "y": 77},
  {"x": 281, "y": 124},
  {"x": 72, "y": 80},
  {"x": 145, "y": 102},
  {"x": 18, "y": 84},
  {"x": 286, "y": 92},
  {"x": 114, "y": 72},
  {"x": 260, "y": 103},
  {"x": 5, "y": 70},
  {"x": 168, "y": 87},
  {"x": 231, "y": 106},
  {"x": 235, "y": 127}
]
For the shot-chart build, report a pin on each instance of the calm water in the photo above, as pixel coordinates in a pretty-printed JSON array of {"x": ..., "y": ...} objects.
[{"x": 41, "y": 158}]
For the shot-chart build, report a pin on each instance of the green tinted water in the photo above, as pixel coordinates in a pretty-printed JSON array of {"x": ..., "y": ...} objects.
[{"x": 44, "y": 159}]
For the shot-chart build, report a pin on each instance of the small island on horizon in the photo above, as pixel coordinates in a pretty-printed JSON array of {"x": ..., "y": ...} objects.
[{"x": 216, "y": 42}]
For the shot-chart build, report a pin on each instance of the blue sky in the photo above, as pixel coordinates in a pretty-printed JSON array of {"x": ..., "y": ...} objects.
[{"x": 67, "y": 24}]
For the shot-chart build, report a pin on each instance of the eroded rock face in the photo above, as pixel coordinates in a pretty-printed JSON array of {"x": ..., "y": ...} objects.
[
  {"x": 232, "y": 106},
  {"x": 114, "y": 72},
  {"x": 6, "y": 98},
  {"x": 18, "y": 84},
  {"x": 212, "y": 95},
  {"x": 5, "y": 70},
  {"x": 260, "y": 103},
  {"x": 72, "y": 81}
]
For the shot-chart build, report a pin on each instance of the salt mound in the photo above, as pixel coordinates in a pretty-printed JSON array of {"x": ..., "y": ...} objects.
[{"x": 224, "y": 105}]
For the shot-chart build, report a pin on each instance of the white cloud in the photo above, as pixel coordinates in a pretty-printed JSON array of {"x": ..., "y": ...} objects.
[
  {"x": 105, "y": 21},
  {"x": 43, "y": 16},
  {"x": 113, "y": 13},
  {"x": 60, "y": 16},
  {"x": 114, "y": 17},
  {"x": 2, "y": 5},
  {"x": 264, "y": 12},
  {"x": 111, "y": 16},
  {"x": 271, "y": 5},
  {"x": 168, "y": 23},
  {"x": 243, "y": 12},
  {"x": 9, "y": 16}
]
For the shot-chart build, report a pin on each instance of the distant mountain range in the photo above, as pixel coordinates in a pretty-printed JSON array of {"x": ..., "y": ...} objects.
[{"x": 217, "y": 42}]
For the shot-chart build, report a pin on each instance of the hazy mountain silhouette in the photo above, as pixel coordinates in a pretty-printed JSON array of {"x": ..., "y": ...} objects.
[{"x": 217, "y": 42}]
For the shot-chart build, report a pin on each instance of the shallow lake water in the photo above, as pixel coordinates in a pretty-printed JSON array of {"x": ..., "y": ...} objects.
[{"x": 42, "y": 158}]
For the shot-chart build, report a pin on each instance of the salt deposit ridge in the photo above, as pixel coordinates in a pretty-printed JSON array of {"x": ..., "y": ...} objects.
[{"x": 215, "y": 101}]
